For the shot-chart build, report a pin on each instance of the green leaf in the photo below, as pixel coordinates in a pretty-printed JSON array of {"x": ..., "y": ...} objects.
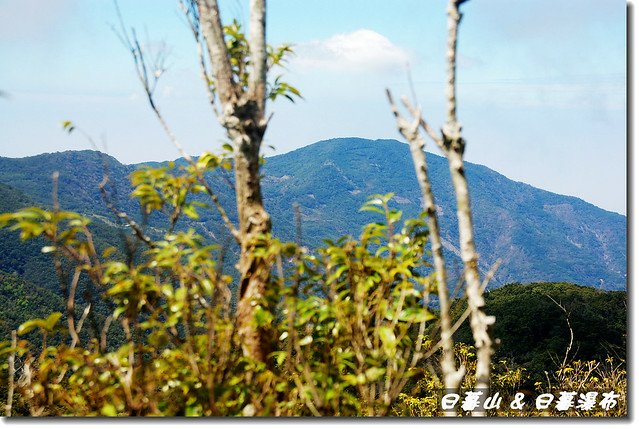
[
  {"x": 279, "y": 356},
  {"x": 208, "y": 160},
  {"x": 415, "y": 315},
  {"x": 108, "y": 251},
  {"x": 47, "y": 324},
  {"x": 193, "y": 410},
  {"x": 371, "y": 208},
  {"x": 263, "y": 317},
  {"x": 109, "y": 410},
  {"x": 394, "y": 216},
  {"x": 118, "y": 311},
  {"x": 68, "y": 126},
  {"x": 52, "y": 320},
  {"x": 373, "y": 374},
  {"x": 29, "y": 326},
  {"x": 190, "y": 211},
  {"x": 389, "y": 341}
]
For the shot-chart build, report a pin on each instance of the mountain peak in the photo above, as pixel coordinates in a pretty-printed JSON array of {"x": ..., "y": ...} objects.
[{"x": 539, "y": 235}]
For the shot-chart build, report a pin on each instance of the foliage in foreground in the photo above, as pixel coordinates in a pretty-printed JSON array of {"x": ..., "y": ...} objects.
[{"x": 349, "y": 323}]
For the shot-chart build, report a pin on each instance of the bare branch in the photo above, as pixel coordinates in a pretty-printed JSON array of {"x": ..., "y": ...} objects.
[
  {"x": 225, "y": 218},
  {"x": 54, "y": 193},
  {"x": 452, "y": 129},
  {"x": 84, "y": 316},
  {"x": 427, "y": 128},
  {"x": 123, "y": 215},
  {"x": 211, "y": 27},
  {"x": 569, "y": 347},
  {"x": 103, "y": 335},
  {"x": 149, "y": 85},
  {"x": 227, "y": 221},
  {"x": 190, "y": 10},
  {"x": 71, "y": 307},
  {"x": 298, "y": 223},
  {"x": 257, "y": 45},
  {"x": 489, "y": 276},
  {"x": 411, "y": 86},
  {"x": 410, "y": 131}
]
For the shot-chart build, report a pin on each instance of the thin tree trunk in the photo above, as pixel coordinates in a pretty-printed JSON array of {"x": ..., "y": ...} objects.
[
  {"x": 452, "y": 375},
  {"x": 12, "y": 373},
  {"x": 254, "y": 272},
  {"x": 480, "y": 323},
  {"x": 243, "y": 116},
  {"x": 454, "y": 145}
]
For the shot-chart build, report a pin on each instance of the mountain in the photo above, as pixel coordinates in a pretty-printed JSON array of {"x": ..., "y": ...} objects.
[{"x": 539, "y": 235}]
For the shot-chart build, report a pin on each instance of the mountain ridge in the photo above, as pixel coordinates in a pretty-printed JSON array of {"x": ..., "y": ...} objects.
[
  {"x": 433, "y": 154},
  {"x": 543, "y": 236},
  {"x": 112, "y": 158}
]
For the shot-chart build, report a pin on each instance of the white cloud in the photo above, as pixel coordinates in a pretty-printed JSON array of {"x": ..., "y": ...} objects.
[{"x": 360, "y": 50}]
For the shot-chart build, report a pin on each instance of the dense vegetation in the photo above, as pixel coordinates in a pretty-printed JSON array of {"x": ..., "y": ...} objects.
[
  {"x": 534, "y": 332},
  {"x": 21, "y": 301},
  {"x": 25, "y": 258},
  {"x": 532, "y": 329},
  {"x": 175, "y": 335}
]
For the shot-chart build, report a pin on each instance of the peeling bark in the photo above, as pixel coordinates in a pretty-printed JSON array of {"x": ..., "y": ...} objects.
[{"x": 242, "y": 115}]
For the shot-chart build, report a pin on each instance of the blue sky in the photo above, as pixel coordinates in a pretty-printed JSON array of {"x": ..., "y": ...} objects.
[{"x": 542, "y": 83}]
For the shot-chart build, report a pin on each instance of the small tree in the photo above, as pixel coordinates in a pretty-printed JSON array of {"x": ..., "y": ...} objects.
[
  {"x": 243, "y": 114},
  {"x": 236, "y": 83}
]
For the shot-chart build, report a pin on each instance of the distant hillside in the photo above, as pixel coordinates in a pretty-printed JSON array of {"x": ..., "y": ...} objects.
[
  {"x": 539, "y": 235},
  {"x": 533, "y": 331},
  {"x": 25, "y": 258},
  {"x": 21, "y": 301}
]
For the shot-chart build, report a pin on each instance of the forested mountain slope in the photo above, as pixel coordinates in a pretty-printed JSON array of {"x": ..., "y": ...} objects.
[{"x": 539, "y": 235}]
